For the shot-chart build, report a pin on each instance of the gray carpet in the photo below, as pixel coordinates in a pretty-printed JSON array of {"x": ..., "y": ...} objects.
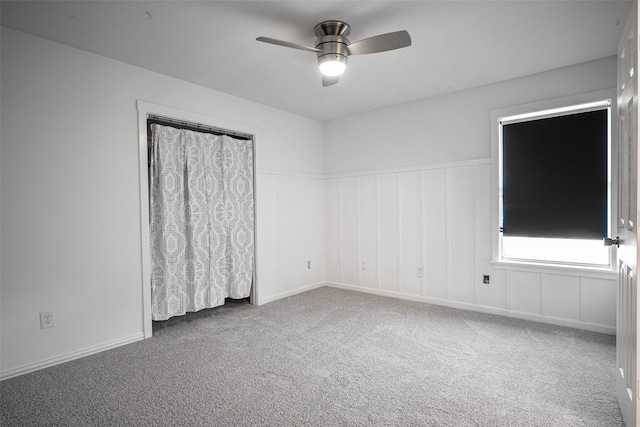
[{"x": 331, "y": 357}]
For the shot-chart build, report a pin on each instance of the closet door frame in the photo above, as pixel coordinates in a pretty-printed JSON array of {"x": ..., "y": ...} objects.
[{"x": 146, "y": 109}]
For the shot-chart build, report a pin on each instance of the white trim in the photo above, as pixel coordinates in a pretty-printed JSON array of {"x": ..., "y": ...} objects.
[
  {"x": 376, "y": 172},
  {"x": 594, "y": 327},
  {"x": 191, "y": 116},
  {"x": 145, "y": 239},
  {"x": 562, "y": 270},
  {"x": 144, "y": 110},
  {"x": 476, "y": 234},
  {"x": 557, "y": 112},
  {"x": 253, "y": 296},
  {"x": 448, "y": 233},
  {"x": 292, "y": 292},
  {"x": 32, "y": 367},
  {"x": 549, "y": 104},
  {"x": 278, "y": 250},
  {"x": 423, "y": 236},
  {"x": 359, "y": 230},
  {"x": 340, "y": 230},
  {"x": 378, "y": 232},
  {"x": 416, "y": 168},
  {"x": 400, "y": 240},
  {"x": 282, "y": 172}
]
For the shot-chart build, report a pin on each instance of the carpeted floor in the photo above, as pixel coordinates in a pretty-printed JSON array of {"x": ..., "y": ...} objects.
[{"x": 331, "y": 357}]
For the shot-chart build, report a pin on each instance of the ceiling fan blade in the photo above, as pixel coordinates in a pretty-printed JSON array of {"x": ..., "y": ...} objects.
[
  {"x": 287, "y": 44},
  {"x": 329, "y": 80},
  {"x": 381, "y": 43}
]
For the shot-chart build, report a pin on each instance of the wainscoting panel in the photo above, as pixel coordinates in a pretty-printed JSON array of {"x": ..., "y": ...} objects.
[
  {"x": 291, "y": 234},
  {"x": 386, "y": 228},
  {"x": 349, "y": 227},
  {"x": 333, "y": 256},
  {"x": 368, "y": 231},
  {"x": 593, "y": 292},
  {"x": 434, "y": 201},
  {"x": 316, "y": 231},
  {"x": 286, "y": 233},
  {"x": 411, "y": 233},
  {"x": 523, "y": 291},
  {"x": 461, "y": 231},
  {"x": 560, "y": 296},
  {"x": 267, "y": 236},
  {"x": 301, "y": 229}
]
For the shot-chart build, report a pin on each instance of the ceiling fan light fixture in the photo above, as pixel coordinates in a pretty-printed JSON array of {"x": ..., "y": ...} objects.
[
  {"x": 332, "y": 47},
  {"x": 332, "y": 65}
]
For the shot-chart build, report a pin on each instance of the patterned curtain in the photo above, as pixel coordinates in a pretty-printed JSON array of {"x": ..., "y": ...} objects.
[{"x": 201, "y": 220}]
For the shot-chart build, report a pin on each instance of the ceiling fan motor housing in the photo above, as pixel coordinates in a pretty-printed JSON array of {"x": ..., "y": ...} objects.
[
  {"x": 332, "y": 41},
  {"x": 332, "y": 28},
  {"x": 333, "y": 48}
]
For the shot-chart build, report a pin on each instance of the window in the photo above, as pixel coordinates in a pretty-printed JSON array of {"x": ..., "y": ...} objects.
[{"x": 554, "y": 185}]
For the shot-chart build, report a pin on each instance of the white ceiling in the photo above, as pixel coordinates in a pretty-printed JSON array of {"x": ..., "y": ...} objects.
[{"x": 456, "y": 44}]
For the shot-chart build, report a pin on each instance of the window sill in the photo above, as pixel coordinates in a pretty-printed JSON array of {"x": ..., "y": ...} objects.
[{"x": 564, "y": 270}]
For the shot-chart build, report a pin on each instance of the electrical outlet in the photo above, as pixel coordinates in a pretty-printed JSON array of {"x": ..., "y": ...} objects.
[
  {"x": 419, "y": 271},
  {"x": 363, "y": 265},
  {"x": 46, "y": 319},
  {"x": 485, "y": 279}
]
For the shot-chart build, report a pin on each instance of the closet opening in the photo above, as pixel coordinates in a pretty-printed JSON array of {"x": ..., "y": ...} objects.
[
  {"x": 200, "y": 187},
  {"x": 196, "y": 315}
]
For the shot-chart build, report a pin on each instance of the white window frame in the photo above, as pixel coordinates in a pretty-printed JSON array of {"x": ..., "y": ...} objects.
[{"x": 555, "y": 107}]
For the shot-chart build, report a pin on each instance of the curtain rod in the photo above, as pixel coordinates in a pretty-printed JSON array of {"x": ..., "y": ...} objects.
[{"x": 198, "y": 126}]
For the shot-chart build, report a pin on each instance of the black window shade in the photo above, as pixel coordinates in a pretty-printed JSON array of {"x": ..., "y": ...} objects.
[{"x": 555, "y": 177}]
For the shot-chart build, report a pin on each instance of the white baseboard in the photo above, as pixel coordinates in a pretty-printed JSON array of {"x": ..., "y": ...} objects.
[
  {"x": 32, "y": 367},
  {"x": 270, "y": 298},
  {"x": 604, "y": 329}
]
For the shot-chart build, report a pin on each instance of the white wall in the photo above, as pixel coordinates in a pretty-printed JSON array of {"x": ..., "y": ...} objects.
[
  {"x": 448, "y": 128},
  {"x": 70, "y": 197},
  {"x": 410, "y": 186}
]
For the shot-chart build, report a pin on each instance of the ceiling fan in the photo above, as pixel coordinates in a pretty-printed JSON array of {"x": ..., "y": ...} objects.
[{"x": 333, "y": 47}]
